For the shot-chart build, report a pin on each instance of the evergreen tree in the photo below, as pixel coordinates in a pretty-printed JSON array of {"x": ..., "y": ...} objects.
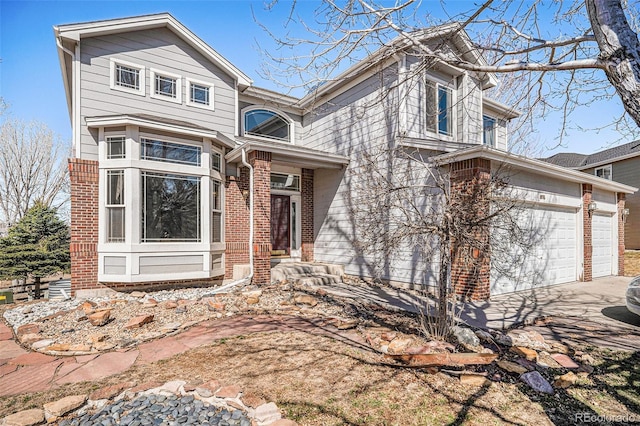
[{"x": 35, "y": 247}]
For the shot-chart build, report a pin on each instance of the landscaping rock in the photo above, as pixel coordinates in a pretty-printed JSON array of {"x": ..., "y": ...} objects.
[
  {"x": 537, "y": 382},
  {"x": 527, "y": 353},
  {"x": 99, "y": 318},
  {"x": 465, "y": 336},
  {"x": 58, "y": 347},
  {"x": 399, "y": 344},
  {"x": 25, "y": 418},
  {"x": 138, "y": 294},
  {"x": 511, "y": 367},
  {"x": 528, "y": 339},
  {"x": 545, "y": 360},
  {"x": 27, "y": 329},
  {"x": 59, "y": 408},
  {"x": 109, "y": 392},
  {"x": 284, "y": 422},
  {"x": 565, "y": 361},
  {"x": 41, "y": 344},
  {"x": 139, "y": 321},
  {"x": 484, "y": 336},
  {"x": 228, "y": 392},
  {"x": 305, "y": 299},
  {"x": 565, "y": 380},
  {"x": 267, "y": 413},
  {"x": 170, "y": 304}
]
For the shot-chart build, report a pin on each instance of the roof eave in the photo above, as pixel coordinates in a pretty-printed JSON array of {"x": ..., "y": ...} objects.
[
  {"x": 123, "y": 120},
  {"x": 536, "y": 166},
  {"x": 506, "y": 111},
  {"x": 287, "y": 150},
  {"x": 609, "y": 161}
]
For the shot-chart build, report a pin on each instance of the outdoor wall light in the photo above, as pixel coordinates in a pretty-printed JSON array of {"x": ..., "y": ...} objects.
[
  {"x": 592, "y": 206},
  {"x": 245, "y": 194},
  {"x": 625, "y": 214}
]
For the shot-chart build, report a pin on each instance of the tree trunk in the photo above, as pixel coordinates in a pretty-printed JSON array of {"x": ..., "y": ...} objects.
[
  {"x": 620, "y": 49},
  {"x": 36, "y": 288}
]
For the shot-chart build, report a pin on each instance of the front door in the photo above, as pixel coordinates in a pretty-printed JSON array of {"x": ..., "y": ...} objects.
[{"x": 280, "y": 225}]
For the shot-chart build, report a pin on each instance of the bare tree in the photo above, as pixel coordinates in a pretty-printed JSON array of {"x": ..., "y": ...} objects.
[
  {"x": 444, "y": 226},
  {"x": 32, "y": 168},
  {"x": 562, "y": 54}
]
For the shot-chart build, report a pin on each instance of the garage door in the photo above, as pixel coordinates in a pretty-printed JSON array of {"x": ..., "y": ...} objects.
[
  {"x": 602, "y": 241},
  {"x": 546, "y": 253}
]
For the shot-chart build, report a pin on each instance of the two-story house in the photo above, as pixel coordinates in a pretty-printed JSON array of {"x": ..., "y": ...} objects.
[{"x": 185, "y": 173}]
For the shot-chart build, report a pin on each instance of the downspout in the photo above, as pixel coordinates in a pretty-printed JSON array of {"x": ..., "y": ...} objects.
[{"x": 247, "y": 165}]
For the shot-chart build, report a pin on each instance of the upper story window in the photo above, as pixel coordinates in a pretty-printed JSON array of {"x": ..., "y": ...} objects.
[
  {"x": 488, "y": 130},
  {"x": 200, "y": 94},
  {"x": 439, "y": 108},
  {"x": 166, "y": 86},
  {"x": 604, "y": 172},
  {"x": 216, "y": 161},
  {"x": 267, "y": 124},
  {"x": 127, "y": 77},
  {"x": 169, "y": 152},
  {"x": 116, "y": 147}
]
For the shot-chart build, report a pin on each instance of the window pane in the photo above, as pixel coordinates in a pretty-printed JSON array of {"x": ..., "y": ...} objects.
[
  {"x": 170, "y": 208},
  {"x": 115, "y": 148},
  {"x": 170, "y": 152},
  {"x": 215, "y": 161},
  {"x": 127, "y": 77},
  {"x": 444, "y": 110},
  {"x": 115, "y": 187},
  {"x": 430, "y": 103},
  {"x": 217, "y": 205},
  {"x": 265, "y": 123},
  {"x": 489, "y": 133},
  {"x": 115, "y": 224},
  {"x": 199, "y": 94},
  {"x": 294, "y": 221},
  {"x": 165, "y": 86},
  {"x": 216, "y": 227},
  {"x": 281, "y": 181}
]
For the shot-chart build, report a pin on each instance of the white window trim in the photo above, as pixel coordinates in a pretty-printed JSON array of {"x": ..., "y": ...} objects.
[
  {"x": 108, "y": 139},
  {"x": 112, "y": 77},
  {"x": 282, "y": 114},
  {"x": 211, "y": 87},
  {"x": 607, "y": 167},
  {"x": 451, "y": 85},
  {"x": 152, "y": 85}
]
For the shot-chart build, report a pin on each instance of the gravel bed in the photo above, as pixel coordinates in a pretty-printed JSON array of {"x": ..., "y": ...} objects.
[{"x": 160, "y": 410}]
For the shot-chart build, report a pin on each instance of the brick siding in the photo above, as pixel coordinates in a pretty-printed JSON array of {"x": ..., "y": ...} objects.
[
  {"x": 83, "y": 175},
  {"x": 587, "y": 271},
  {"x": 621, "y": 242},
  {"x": 471, "y": 264},
  {"x": 236, "y": 219},
  {"x": 261, "y": 163},
  {"x": 307, "y": 215}
]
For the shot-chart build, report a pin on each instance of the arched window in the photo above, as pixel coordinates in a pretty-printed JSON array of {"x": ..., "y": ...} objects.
[{"x": 267, "y": 124}]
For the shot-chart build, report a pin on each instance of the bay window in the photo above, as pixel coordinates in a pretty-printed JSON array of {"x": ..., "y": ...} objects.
[
  {"x": 115, "y": 206},
  {"x": 170, "y": 208}
]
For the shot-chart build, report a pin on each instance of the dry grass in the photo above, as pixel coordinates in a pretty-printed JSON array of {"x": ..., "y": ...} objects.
[
  {"x": 316, "y": 380},
  {"x": 632, "y": 263}
]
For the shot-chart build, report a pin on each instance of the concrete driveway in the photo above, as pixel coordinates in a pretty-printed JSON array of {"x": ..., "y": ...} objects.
[
  {"x": 588, "y": 312},
  {"x": 592, "y": 312}
]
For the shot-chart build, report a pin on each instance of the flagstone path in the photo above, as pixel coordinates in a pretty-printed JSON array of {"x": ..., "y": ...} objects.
[{"x": 22, "y": 371}]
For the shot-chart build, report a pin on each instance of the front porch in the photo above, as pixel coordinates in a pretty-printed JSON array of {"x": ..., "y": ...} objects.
[{"x": 269, "y": 194}]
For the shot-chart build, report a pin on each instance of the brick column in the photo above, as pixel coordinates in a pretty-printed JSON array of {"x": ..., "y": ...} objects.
[
  {"x": 471, "y": 263},
  {"x": 84, "y": 176},
  {"x": 587, "y": 231},
  {"x": 307, "y": 215},
  {"x": 236, "y": 221},
  {"x": 261, "y": 163},
  {"x": 621, "y": 203}
]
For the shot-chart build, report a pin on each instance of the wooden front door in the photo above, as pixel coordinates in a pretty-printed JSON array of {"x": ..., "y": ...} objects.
[{"x": 280, "y": 225}]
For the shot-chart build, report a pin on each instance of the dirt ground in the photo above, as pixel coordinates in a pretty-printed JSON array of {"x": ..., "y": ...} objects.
[
  {"x": 632, "y": 263},
  {"x": 317, "y": 380}
]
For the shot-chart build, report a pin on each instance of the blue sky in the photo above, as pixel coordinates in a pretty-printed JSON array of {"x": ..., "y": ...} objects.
[{"x": 31, "y": 83}]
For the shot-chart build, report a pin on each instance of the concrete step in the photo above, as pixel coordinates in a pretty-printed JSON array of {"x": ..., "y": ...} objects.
[
  {"x": 285, "y": 271},
  {"x": 315, "y": 280}
]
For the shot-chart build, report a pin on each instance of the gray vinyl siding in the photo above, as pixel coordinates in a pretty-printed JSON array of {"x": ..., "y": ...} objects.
[
  {"x": 362, "y": 120},
  {"x": 626, "y": 171},
  {"x": 162, "y": 50}
]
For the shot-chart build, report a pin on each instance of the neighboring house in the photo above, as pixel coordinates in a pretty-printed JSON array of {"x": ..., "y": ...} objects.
[
  {"x": 185, "y": 173},
  {"x": 619, "y": 164},
  {"x": 4, "y": 228}
]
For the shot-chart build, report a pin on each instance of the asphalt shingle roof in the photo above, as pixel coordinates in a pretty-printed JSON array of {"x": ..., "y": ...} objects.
[{"x": 572, "y": 159}]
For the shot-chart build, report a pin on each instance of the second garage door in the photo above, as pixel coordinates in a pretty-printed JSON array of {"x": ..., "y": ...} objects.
[{"x": 551, "y": 257}]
